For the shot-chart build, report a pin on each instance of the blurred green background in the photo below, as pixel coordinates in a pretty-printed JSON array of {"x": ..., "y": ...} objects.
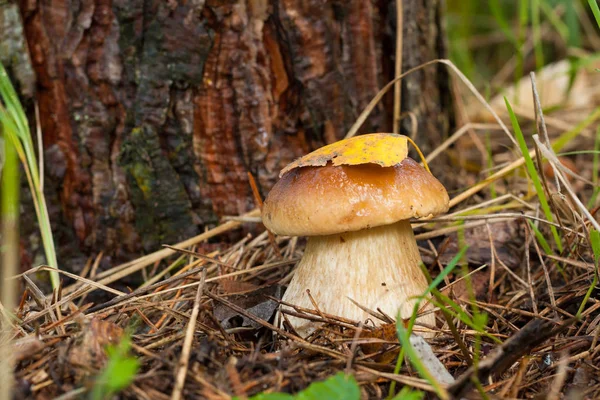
[{"x": 496, "y": 41}]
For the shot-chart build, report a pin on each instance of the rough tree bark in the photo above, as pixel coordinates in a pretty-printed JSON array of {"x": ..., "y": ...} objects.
[{"x": 153, "y": 111}]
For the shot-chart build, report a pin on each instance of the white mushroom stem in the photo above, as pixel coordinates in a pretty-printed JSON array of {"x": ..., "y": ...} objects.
[{"x": 376, "y": 267}]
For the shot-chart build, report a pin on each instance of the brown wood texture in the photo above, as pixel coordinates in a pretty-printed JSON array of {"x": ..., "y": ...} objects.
[{"x": 153, "y": 111}]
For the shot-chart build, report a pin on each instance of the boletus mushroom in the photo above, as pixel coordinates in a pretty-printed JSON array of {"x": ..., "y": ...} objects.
[{"x": 354, "y": 200}]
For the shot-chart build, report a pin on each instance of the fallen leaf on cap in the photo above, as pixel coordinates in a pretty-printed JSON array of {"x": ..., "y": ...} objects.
[{"x": 385, "y": 149}]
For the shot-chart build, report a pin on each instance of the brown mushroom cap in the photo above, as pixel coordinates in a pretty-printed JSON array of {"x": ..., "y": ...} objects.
[{"x": 314, "y": 201}]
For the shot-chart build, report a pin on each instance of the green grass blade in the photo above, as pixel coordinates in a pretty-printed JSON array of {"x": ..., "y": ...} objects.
[
  {"x": 537, "y": 34},
  {"x": 502, "y": 22},
  {"x": 12, "y": 104},
  {"x": 595, "y": 243},
  {"x": 16, "y": 130},
  {"x": 572, "y": 134},
  {"x": 9, "y": 255},
  {"x": 477, "y": 323},
  {"x": 409, "y": 394},
  {"x": 533, "y": 174},
  {"x": 541, "y": 239},
  {"x": 404, "y": 338},
  {"x": 555, "y": 20},
  {"x": 580, "y": 152},
  {"x": 595, "y": 9},
  {"x": 445, "y": 272},
  {"x": 449, "y": 268},
  {"x": 573, "y": 26}
]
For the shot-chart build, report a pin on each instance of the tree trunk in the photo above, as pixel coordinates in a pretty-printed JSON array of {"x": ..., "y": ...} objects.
[{"x": 153, "y": 111}]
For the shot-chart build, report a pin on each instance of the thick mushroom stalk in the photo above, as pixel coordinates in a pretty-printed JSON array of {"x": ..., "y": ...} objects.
[{"x": 377, "y": 268}]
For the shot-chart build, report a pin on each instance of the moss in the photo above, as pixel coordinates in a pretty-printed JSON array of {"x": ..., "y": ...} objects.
[
  {"x": 168, "y": 55},
  {"x": 163, "y": 210}
]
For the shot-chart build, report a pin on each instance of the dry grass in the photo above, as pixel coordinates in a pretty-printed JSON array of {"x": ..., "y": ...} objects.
[{"x": 224, "y": 343}]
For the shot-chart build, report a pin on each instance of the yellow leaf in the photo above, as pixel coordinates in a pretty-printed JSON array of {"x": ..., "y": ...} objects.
[{"x": 385, "y": 149}]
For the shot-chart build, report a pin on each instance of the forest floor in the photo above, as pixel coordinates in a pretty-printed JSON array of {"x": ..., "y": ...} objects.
[{"x": 518, "y": 312}]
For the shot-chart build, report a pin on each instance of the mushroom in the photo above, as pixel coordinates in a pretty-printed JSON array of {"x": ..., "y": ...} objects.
[{"x": 357, "y": 218}]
